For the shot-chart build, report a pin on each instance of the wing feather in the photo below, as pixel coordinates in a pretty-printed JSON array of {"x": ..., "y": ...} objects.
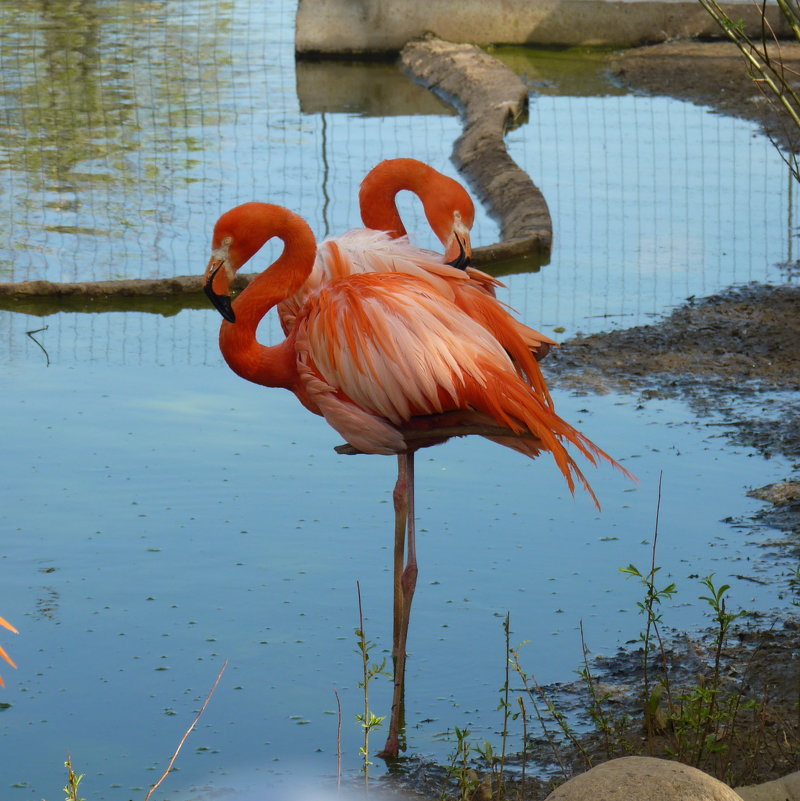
[
  {"x": 361, "y": 251},
  {"x": 376, "y": 350},
  {"x": 394, "y": 346}
]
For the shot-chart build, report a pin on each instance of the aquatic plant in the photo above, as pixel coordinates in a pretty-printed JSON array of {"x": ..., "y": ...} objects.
[
  {"x": 369, "y": 670},
  {"x": 73, "y": 780}
]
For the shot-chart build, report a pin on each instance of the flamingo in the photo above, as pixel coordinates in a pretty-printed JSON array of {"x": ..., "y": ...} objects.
[
  {"x": 450, "y": 213},
  {"x": 3, "y": 654},
  {"x": 447, "y": 205},
  {"x": 391, "y": 364},
  {"x": 384, "y": 247}
]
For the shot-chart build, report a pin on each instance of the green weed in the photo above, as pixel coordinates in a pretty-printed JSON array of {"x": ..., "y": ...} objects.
[{"x": 369, "y": 670}]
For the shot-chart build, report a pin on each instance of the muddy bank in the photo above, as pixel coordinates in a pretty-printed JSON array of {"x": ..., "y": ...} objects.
[
  {"x": 736, "y": 353},
  {"x": 710, "y": 74},
  {"x": 733, "y": 357},
  {"x": 757, "y": 685}
]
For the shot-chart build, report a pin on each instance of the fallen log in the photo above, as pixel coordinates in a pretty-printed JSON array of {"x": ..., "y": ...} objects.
[{"x": 490, "y": 98}]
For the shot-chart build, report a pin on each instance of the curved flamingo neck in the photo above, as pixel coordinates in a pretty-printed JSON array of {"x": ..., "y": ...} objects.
[
  {"x": 380, "y": 187},
  {"x": 269, "y": 365}
]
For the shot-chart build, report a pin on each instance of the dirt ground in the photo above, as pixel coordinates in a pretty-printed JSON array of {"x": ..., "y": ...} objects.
[{"x": 735, "y": 355}]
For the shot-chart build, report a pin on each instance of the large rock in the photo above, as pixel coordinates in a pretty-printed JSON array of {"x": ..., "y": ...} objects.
[
  {"x": 643, "y": 779},
  {"x": 785, "y": 789}
]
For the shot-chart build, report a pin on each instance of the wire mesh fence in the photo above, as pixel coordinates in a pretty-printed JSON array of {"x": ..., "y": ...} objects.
[{"x": 128, "y": 126}]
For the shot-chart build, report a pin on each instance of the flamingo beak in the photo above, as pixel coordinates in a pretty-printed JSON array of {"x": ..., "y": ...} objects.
[
  {"x": 221, "y": 299},
  {"x": 458, "y": 250}
]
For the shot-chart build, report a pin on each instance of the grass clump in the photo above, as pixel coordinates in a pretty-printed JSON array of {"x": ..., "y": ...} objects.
[
  {"x": 708, "y": 703},
  {"x": 73, "y": 780},
  {"x": 367, "y": 719}
]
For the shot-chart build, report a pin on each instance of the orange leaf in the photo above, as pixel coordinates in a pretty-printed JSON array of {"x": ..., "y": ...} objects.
[
  {"x": 7, "y": 625},
  {"x": 4, "y": 655}
]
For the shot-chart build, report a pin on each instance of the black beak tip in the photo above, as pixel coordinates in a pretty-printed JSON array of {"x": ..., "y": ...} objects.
[
  {"x": 222, "y": 303},
  {"x": 460, "y": 262},
  {"x": 226, "y": 310}
]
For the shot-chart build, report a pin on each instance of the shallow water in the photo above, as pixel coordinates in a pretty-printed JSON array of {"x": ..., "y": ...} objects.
[
  {"x": 161, "y": 520},
  {"x": 161, "y": 516}
]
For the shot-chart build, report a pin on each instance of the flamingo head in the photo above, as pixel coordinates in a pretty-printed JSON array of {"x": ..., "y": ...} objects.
[
  {"x": 450, "y": 213},
  {"x": 457, "y": 247},
  {"x": 238, "y": 234}
]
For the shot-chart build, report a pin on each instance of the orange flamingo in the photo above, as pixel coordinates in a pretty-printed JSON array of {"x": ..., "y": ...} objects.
[
  {"x": 384, "y": 247},
  {"x": 447, "y": 205},
  {"x": 450, "y": 213},
  {"x": 392, "y": 366},
  {"x": 3, "y": 654}
]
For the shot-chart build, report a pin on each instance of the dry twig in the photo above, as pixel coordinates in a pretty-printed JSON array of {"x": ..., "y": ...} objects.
[{"x": 187, "y": 733}]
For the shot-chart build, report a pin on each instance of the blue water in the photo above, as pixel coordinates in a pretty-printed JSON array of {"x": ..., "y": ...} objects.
[
  {"x": 161, "y": 516},
  {"x": 161, "y": 520}
]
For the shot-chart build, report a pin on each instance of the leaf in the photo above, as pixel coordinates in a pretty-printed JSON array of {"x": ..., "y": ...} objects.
[{"x": 6, "y": 625}]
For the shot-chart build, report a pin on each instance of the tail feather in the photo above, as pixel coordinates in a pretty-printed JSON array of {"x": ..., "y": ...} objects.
[
  {"x": 537, "y": 427},
  {"x": 489, "y": 313}
]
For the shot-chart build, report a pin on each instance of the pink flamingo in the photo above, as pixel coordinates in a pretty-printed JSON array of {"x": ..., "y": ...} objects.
[{"x": 390, "y": 363}]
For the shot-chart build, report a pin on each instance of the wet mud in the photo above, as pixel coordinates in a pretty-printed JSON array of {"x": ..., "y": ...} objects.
[{"x": 712, "y": 74}]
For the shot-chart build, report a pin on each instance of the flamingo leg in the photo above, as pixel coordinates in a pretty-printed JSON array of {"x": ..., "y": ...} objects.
[
  {"x": 400, "y": 522},
  {"x": 405, "y": 582}
]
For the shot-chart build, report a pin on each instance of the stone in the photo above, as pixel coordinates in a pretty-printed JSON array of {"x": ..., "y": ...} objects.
[
  {"x": 381, "y": 26},
  {"x": 785, "y": 789},
  {"x": 644, "y": 779}
]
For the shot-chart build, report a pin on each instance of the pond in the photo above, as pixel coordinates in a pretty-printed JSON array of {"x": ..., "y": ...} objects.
[{"x": 161, "y": 516}]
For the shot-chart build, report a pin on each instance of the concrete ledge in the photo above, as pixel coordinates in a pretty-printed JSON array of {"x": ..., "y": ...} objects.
[{"x": 384, "y": 26}]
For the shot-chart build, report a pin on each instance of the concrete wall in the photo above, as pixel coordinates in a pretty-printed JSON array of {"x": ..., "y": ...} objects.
[{"x": 376, "y": 26}]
